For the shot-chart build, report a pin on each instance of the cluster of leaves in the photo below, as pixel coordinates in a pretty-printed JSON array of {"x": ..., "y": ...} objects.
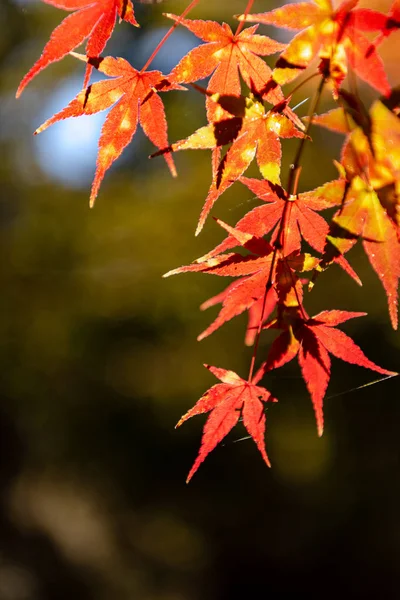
[{"x": 278, "y": 248}]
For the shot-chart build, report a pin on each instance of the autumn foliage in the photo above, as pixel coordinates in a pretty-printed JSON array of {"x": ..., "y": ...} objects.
[{"x": 276, "y": 253}]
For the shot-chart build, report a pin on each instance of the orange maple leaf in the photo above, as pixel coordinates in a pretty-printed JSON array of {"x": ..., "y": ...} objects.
[
  {"x": 371, "y": 210},
  {"x": 336, "y": 36},
  {"x": 225, "y": 54},
  {"x": 252, "y": 132},
  {"x": 136, "y": 101}
]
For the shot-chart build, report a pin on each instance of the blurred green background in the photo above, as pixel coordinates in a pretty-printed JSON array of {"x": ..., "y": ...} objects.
[{"x": 99, "y": 360}]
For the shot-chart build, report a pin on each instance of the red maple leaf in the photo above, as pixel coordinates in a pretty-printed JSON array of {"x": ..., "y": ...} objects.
[
  {"x": 336, "y": 36},
  {"x": 256, "y": 281},
  {"x": 311, "y": 339},
  {"x": 227, "y": 401},
  {"x": 93, "y": 19},
  {"x": 302, "y": 222},
  {"x": 253, "y": 270},
  {"x": 135, "y": 96},
  {"x": 254, "y": 311}
]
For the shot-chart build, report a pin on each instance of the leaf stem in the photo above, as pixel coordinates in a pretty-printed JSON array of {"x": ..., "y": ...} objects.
[
  {"x": 246, "y": 12},
  {"x": 300, "y": 85},
  {"x": 295, "y": 167},
  {"x": 167, "y": 35},
  {"x": 268, "y": 286},
  {"x": 293, "y": 181}
]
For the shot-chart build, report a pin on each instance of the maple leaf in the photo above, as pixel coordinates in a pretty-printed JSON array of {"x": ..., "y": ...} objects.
[
  {"x": 255, "y": 315},
  {"x": 263, "y": 281},
  {"x": 227, "y": 401},
  {"x": 254, "y": 271},
  {"x": 136, "y": 100},
  {"x": 311, "y": 340},
  {"x": 385, "y": 141},
  {"x": 93, "y": 19},
  {"x": 253, "y": 132},
  {"x": 302, "y": 220},
  {"x": 336, "y": 36},
  {"x": 363, "y": 215},
  {"x": 371, "y": 210},
  {"x": 225, "y": 54}
]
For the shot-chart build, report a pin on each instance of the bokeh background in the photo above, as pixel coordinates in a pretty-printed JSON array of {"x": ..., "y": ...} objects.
[{"x": 99, "y": 359}]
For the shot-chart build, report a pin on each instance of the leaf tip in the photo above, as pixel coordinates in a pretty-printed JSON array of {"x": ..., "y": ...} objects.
[
  {"x": 39, "y": 129},
  {"x": 92, "y": 198},
  {"x": 192, "y": 472},
  {"x": 169, "y": 273}
]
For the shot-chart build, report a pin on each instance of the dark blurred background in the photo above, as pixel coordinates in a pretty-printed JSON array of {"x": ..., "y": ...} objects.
[{"x": 99, "y": 360}]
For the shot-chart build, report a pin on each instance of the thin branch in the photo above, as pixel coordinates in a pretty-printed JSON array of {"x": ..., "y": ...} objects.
[{"x": 168, "y": 34}]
